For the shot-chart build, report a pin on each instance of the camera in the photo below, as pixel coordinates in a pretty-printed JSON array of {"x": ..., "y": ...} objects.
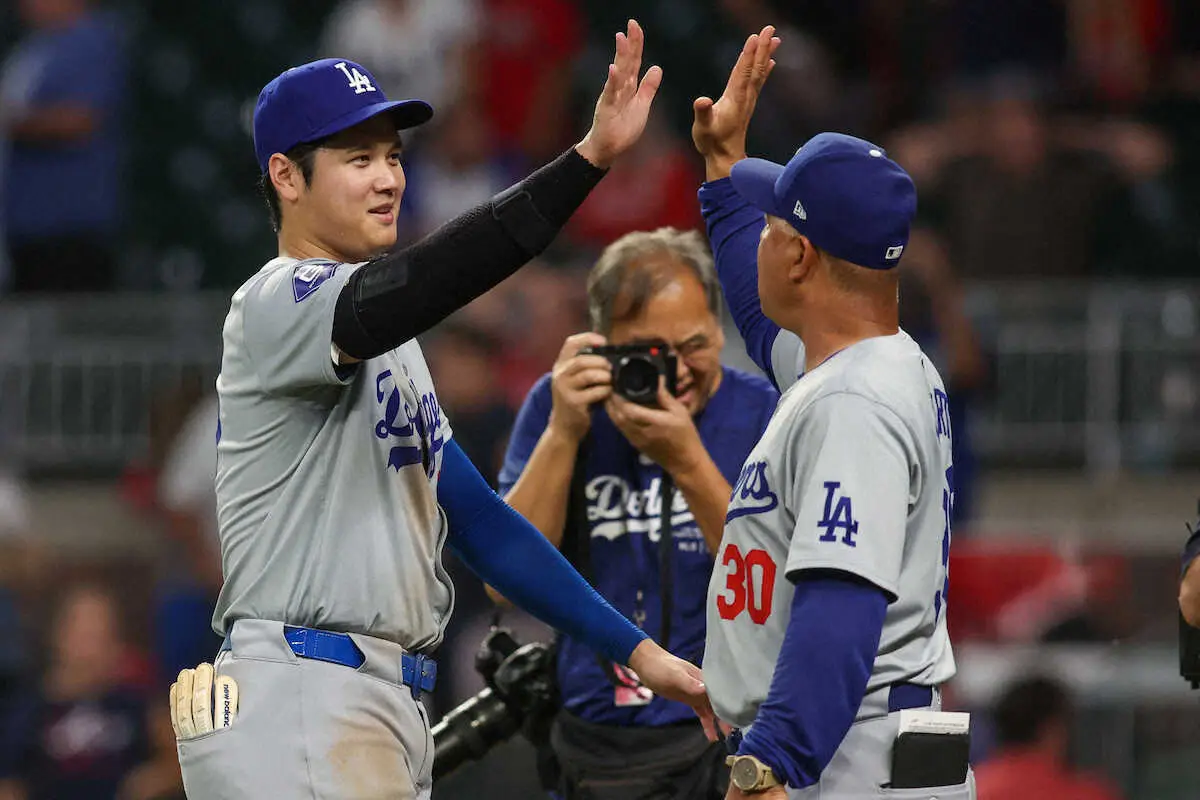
[
  {"x": 520, "y": 695},
  {"x": 636, "y": 369}
]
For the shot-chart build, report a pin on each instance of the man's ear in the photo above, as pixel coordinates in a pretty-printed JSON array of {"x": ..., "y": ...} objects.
[
  {"x": 285, "y": 177},
  {"x": 804, "y": 258}
]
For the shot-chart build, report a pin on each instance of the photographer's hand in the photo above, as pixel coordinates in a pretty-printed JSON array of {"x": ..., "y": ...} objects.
[
  {"x": 542, "y": 492},
  {"x": 668, "y": 435},
  {"x": 577, "y": 382},
  {"x": 675, "y": 679},
  {"x": 719, "y": 129}
]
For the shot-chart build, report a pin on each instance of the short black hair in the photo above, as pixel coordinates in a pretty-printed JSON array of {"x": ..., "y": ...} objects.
[
  {"x": 304, "y": 155},
  {"x": 1027, "y": 707}
]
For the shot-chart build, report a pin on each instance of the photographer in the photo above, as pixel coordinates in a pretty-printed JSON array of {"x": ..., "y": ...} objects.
[{"x": 588, "y": 467}]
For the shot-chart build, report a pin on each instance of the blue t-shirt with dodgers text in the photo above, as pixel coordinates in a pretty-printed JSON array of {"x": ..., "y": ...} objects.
[{"x": 623, "y": 492}]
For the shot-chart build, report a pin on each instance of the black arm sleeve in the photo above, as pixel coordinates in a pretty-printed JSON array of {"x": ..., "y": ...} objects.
[{"x": 406, "y": 292}]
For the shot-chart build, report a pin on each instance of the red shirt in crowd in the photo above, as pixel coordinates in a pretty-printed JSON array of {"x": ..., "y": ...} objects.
[
  {"x": 640, "y": 195},
  {"x": 523, "y": 42},
  {"x": 1031, "y": 775}
]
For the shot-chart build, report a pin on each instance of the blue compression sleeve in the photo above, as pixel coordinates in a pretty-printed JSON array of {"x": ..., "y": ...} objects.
[
  {"x": 504, "y": 550},
  {"x": 820, "y": 678},
  {"x": 733, "y": 229}
]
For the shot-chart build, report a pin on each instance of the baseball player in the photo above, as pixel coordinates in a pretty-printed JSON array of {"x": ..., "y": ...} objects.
[
  {"x": 827, "y": 609},
  {"x": 338, "y": 482}
]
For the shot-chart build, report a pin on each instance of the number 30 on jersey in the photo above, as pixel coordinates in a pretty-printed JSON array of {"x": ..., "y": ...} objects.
[{"x": 749, "y": 584}]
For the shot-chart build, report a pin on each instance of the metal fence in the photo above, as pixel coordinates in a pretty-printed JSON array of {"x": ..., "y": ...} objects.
[
  {"x": 1105, "y": 377},
  {"x": 78, "y": 376},
  {"x": 1102, "y": 377}
]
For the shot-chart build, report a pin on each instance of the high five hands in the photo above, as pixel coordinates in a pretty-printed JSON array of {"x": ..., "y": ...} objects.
[
  {"x": 719, "y": 128},
  {"x": 624, "y": 104}
]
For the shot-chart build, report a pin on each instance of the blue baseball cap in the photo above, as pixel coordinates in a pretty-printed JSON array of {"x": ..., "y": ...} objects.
[
  {"x": 319, "y": 99},
  {"x": 843, "y": 193}
]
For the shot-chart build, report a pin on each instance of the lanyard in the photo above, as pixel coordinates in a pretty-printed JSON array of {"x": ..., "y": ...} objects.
[
  {"x": 576, "y": 545},
  {"x": 666, "y": 559}
]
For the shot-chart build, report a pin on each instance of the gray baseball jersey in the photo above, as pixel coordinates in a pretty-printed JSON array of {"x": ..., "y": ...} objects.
[
  {"x": 326, "y": 476},
  {"x": 852, "y": 473}
]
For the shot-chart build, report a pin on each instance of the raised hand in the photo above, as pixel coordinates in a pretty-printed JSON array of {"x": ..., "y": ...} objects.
[
  {"x": 719, "y": 128},
  {"x": 624, "y": 104}
]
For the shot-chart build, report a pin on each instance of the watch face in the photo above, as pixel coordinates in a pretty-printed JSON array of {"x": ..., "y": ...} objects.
[{"x": 744, "y": 774}]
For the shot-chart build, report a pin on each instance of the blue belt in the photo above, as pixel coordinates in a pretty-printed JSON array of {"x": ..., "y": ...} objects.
[
  {"x": 418, "y": 672},
  {"x": 900, "y": 697},
  {"x": 909, "y": 695}
]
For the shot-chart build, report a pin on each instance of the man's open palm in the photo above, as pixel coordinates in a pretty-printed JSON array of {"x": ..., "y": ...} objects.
[
  {"x": 624, "y": 104},
  {"x": 719, "y": 128}
]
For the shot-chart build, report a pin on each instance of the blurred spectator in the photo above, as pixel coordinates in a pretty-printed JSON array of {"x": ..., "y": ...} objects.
[
  {"x": 414, "y": 48},
  {"x": 1031, "y": 35},
  {"x": 1116, "y": 45},
  {"x": 1024, "y": 207},
  {"x": 526, "y": 49},
  {"x": 464, "y": 364},
  {"x": 1032, "y": 720},
  {"x": 806, "y": 93},
  {"x": 1019, "y": 593},
  {"x": 85, "y": 729},
  {"x": 545, "y": 307},
  {"x": 652, "y": 186},
  {"x": 61, "y": 105},
  {"x": 456, "y": 171},
  {"x": 191, "y": 575}
]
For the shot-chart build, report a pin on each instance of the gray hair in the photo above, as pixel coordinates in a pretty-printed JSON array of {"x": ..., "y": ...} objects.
[{"x": 631, "y": 269}]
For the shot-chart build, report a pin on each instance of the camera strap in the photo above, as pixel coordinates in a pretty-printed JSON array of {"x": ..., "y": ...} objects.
[
  {"x": 576, "y": 539},
  {"x": 576, "y": 544},
  {"x": 666, "y": 559}
]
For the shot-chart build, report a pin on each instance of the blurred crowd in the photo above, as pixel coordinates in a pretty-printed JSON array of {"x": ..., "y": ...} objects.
[{"x": 1050, "y": 139}]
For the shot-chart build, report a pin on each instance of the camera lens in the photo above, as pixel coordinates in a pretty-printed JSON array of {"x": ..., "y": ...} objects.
[
  {"x": 636, "y": 378},
  {"x": 469, "y": 731}
]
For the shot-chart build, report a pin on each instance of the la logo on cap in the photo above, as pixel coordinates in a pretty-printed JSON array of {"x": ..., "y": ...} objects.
[
  {"x": 358, "y": 82},
  {"x": 799, "y": 211}
]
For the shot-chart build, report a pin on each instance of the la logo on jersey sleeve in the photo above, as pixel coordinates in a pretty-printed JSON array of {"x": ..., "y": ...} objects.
[{"x": 839, "y": 515}]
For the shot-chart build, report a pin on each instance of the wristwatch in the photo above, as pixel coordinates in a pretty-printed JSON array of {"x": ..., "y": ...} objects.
[{"x": 749, "y": 774}]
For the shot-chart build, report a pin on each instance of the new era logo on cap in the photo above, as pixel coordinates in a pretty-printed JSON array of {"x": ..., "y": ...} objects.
[
  {"x": 799, "y": 211},
  {"x": 893, "y": 253}
]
